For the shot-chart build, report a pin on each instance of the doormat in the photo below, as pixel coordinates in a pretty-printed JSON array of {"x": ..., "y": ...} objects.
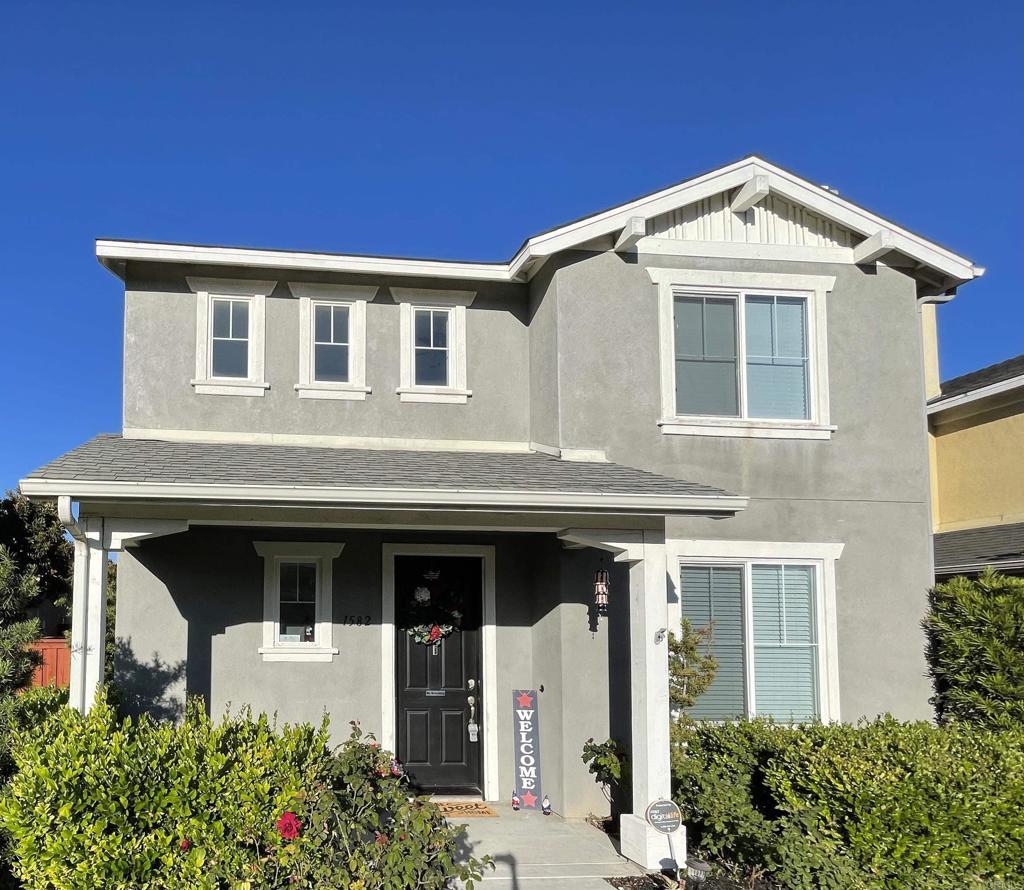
[{"x": 467, "y": 809}]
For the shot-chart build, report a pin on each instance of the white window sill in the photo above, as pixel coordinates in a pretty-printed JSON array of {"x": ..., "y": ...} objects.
[
  {"x": 341, "y": 391},
  {"x": 229, "y": 387},
  {"x": 744, "y": 429},
  {"x": 443, "y": 395},
  {"x": 298, "y": 653}
]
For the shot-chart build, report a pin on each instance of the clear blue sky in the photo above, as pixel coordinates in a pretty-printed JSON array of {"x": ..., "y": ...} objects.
[{"x": 454, "y": 130}]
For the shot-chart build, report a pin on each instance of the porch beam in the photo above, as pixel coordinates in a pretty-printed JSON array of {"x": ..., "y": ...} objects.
[{"x": 870, "y": 249}]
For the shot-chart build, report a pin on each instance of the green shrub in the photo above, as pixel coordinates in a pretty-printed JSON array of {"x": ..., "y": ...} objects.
[
  {"x": 879, "y": 805},
  {"x": 21, "y": 713},
  {"x": 975, "y": 631},
  {"x": 99, "y": 802}
]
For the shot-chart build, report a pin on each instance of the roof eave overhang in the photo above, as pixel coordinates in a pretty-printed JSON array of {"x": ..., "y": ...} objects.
[
  {"x": 941, "y": 270},
  {"x": 977, "y": 567},
  {"x": 975, "y": 395},
  {"x": 396, "y": 498}
]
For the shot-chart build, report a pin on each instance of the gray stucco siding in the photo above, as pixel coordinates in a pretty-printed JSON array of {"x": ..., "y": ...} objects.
[
  {"x": 866, "y": 487},
  {"x": 196, "y": 599},
  {"x": 160, "y": 335}
]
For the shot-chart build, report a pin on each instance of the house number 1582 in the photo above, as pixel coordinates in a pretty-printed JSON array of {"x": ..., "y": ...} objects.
[{"x": 357, "y": 620}]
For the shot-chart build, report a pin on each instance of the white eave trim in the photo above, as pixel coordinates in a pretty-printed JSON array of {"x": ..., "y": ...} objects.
[
  {"x": 620, "y": 222},
  {"x": 983, "y": 392},
  {"x": 399, "y": 497}
]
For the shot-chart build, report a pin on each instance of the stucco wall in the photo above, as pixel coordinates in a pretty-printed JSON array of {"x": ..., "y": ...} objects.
[
  {"x": 867, "y": 487},
  {"x": 979, "y": 470},
  {"x": 193, "y": 603},
  {"x": 159, "y": 362}
]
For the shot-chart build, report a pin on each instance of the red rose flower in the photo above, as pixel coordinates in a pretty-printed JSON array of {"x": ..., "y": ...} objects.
[
  {"x": 289, "y": 826},
  {"x": 381, "y": 840},
  {"x": 435, "y": 634},
  {"x": 184, "y": 845}
]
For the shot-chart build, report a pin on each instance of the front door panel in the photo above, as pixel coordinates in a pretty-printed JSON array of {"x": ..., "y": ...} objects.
[{"x": 434, "y": 680}]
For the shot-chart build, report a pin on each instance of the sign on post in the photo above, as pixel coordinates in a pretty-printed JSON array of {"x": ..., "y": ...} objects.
[
  {"x": 664, "y": 816},
  {"x": 525, "y": 723}
]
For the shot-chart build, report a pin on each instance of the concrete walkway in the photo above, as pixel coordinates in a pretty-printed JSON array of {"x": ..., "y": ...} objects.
[{"x": 532, "y": 851}]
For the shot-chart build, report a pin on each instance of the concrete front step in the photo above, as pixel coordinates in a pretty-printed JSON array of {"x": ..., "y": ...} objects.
[
  {"x": 562, "y": 871},
  {"x": 546, "y": 884}
]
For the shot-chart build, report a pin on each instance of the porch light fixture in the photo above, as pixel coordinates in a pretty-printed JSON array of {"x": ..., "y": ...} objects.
[{"x": 601, "y": 587}]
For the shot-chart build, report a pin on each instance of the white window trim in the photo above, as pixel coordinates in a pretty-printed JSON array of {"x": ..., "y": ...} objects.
[
  {"x": 256, "y": 293},
  {"x": 455, "y": 301},
  {"x": 747, "y": 553},
  {"x": 699, "y": 281},
  {"x": 273, "y": 554},
  {"x": 355, "y": 297}
]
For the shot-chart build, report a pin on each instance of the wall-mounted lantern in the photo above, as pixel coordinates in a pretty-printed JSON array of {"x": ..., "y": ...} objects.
[{"x": 601, "y": 588}]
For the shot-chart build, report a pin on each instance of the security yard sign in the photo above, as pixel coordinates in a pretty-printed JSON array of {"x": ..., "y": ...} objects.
[
  {"x": 664, "y": 816},
  {"x": 527, "y": 747}
]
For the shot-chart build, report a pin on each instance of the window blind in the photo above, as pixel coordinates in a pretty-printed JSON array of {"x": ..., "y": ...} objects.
[
  {"x": 714, "y": 594},
  {"x": 706, "y": 363},
  {"x": 785, "y": 642},
  {"x": 776, "y": 357}
]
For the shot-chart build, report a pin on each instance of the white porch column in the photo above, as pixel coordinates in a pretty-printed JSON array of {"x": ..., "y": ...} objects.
[
  {"x": 648, "y": 661},
  {"x": 88, "y": 615},
  {"x": 644, "y": 551}
]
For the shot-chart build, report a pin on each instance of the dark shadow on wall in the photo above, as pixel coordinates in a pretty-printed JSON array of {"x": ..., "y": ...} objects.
[{"x": 147, "y": 687}]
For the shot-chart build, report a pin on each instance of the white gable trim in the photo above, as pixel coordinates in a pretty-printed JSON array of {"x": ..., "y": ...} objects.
[{"x": 611, "y": 222}]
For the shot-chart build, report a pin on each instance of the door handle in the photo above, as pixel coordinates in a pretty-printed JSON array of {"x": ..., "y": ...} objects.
[{"x": 471, "y": 701}]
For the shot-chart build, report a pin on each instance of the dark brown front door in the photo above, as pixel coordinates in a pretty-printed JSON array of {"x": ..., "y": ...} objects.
[{"x": 439, "y": 683}]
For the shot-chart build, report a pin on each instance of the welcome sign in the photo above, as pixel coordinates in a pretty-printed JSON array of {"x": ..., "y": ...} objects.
[{"x": 525, "y": 722}]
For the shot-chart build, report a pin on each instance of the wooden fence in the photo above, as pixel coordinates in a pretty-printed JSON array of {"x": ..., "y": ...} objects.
[{"x": 56, "y": 667}]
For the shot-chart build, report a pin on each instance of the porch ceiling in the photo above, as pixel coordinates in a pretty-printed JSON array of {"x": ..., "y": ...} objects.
[{"x": 115, "y": 468}]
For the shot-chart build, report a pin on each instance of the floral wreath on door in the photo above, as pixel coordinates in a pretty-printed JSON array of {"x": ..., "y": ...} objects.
[{"x": 434, "y": 612}]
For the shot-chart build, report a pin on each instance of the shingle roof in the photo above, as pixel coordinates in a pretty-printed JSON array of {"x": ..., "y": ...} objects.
[
  {"x": 997, "y": 373},
  {"x": 111, "y": 458},
  {"x": 995, "y": 545}
]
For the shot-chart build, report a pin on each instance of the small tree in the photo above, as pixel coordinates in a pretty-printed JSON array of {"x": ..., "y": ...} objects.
[
  {"x": 18, "y": 590},
  {"x": 975, "y": 650},
  {"x": 34, "y": 536},
  {"x": 691, "y": 666}
]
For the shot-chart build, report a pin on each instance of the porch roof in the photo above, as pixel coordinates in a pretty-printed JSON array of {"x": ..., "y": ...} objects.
[{"x": 110, "y": 466}]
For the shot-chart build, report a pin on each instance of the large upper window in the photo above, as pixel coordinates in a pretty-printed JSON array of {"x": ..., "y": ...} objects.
[
  {"x": 433, "y": 345},
  {"x": 765, "y": 636},
  {"x": 230, "y": 334},
  {"x": 743, "y": 354}
]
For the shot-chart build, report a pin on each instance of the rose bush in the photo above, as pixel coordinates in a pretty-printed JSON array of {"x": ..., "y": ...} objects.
[{"x": 238, "y": 803}]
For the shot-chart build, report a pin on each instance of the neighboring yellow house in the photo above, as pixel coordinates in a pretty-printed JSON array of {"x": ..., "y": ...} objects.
[{"x": 976, "y": 423}]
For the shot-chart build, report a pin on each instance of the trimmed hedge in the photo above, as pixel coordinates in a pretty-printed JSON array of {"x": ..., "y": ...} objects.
[
  {"x": 879, "y": 805},
  {"x": 100, "y": 802},
  {"x": 975, "y": 632}
]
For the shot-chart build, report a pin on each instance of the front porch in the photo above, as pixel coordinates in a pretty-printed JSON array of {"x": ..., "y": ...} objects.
[{"x": 203, "y": 610}]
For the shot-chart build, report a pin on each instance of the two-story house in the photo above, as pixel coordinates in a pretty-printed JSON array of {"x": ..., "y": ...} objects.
[{"x": 395, "y": 488}]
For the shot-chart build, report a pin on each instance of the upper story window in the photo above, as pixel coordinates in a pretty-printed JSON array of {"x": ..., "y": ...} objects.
[
  {"x": 433, "y": 345},
  {"x": 298, "y": 590},
  {"x": 230, "y": 335},
  {"x": 332, "y": 340},
  {"x": 772, "y": 622},
  {"x": 430, "y": 342},
  {"x": 743, "y": 354},
  {"x": 229, "y": 354}
]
